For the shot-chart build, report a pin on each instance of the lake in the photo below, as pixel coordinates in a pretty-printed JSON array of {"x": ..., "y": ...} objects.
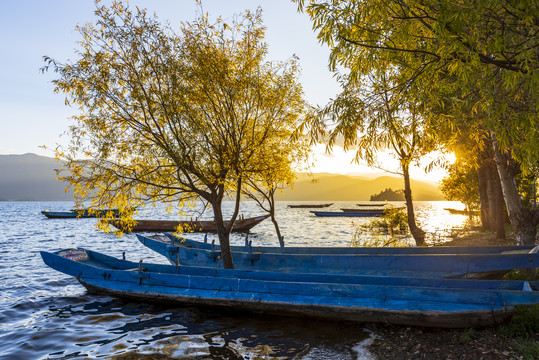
[{"x": 45, "y": 314}]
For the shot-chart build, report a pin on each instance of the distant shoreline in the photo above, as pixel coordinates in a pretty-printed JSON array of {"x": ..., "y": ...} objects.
[{"x": 31, "y": 177}]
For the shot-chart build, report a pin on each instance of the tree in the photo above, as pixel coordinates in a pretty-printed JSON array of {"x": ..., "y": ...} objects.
[
  {"x": 389, "y": 195},
  {"x": 493, "y": 213},
  {"x": 279, "y": 175},
  {"x": 371, "y": 116},
  {"x": 173, "y": 117},
  {"x": 487, "y": 50},
  {"x": 461, "y": 184},
  {"x": 473, "y": 178}
]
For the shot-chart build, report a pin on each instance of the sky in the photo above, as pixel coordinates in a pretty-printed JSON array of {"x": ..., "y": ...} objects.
[{"x": 32, "y": 115}]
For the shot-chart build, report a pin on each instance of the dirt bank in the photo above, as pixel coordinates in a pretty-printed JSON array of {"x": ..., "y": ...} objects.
[{"x": 517, "y": 339}]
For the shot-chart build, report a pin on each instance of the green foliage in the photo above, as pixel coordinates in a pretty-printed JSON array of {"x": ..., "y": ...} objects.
[
  {"x": 461, "y": 184},
  {"x": 174, "y": 115},
  {"x": 384, "y": 231},
  {"x": 531, "y": 274},
  {"x": 524, "y": 324},
  {"x": 417, "y": 70},
  {"x": 468, "y": 335},
  {"x": 362, "y": 238},
  {"x": 529, "y": 349},
  {"x": 394, "y": 220},
  {"x": 526, "y": 187},
  {"x": 464, "y": 60}
]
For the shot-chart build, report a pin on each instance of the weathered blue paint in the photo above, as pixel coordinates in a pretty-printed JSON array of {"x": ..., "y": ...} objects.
[
  {"x": 426, "y": 265},
  {"x": 399, "y": 300},
  {"x": 180, "y": 240},
  {"x": 348, "y": 214}
]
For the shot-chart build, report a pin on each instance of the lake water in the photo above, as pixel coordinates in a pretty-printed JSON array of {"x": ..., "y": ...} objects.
[{"x": 45, "y": 314}]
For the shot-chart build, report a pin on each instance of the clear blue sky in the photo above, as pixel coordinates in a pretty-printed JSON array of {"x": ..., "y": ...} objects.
[{"x": 31, "y": 114}]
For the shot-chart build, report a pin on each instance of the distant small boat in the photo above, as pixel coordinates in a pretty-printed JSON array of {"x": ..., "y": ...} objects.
[
  {"x": 373, "y": 211},
  {"x": 307, "y": 206},
  {"x": 83, "y": 213},
  {"x": 463, "y": 212},
  {"x": 447, "y": 303},
  {"x": 374, "y": 204},
  {"x": 347, "y": 214},
  {"x": 190, "y": 225}
]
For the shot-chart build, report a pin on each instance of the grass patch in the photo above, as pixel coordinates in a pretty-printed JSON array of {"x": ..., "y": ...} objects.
[
  {"x": 524, "y": 324},
  {"x": 388, "y": 230},
  {"x": 522, "y": 274},
  {"x": 528, "y": 349},
  {"x": 468, "y": 335}
]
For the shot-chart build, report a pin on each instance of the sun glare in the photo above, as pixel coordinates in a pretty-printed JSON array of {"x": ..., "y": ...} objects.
[{"x": 342, "y": 162}]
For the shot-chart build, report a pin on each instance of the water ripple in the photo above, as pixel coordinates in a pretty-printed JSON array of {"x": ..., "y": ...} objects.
[{"x": 49, "y": 315}]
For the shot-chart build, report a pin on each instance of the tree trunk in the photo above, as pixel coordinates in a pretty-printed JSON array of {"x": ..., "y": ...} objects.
[
  {"x": 277, "y": 230},
  {"x": 522, "y": 219},
  {"x": 223, "y": 235},
  {"x": 493, "y": 218},
  {"x": 274, "y": 220},
  {"x": 495, "y": 198},
  {"x": 417, "y": 233},
  {"x": 482, "y": 177},
  {"x": 499, "y": 209}
]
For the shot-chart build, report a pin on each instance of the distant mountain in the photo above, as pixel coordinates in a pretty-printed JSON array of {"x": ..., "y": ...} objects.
[
  {"x": 32, "y": 177},
  {"x": 332, "y": 187}
]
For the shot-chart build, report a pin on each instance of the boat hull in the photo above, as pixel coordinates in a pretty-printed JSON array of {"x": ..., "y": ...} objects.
[
  {"x": 357, "y": 250},
  {"x": 425, "y": 265},
  {"x": 308, "y": 206},
  {"x": 348, "y": 214},
  {"x": 240, "y": 225},
  {"x": 403, "y": 301},
  {"x": 359, "y": 314}
]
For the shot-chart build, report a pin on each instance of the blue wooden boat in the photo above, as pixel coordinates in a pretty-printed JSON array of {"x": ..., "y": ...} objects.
[
  {"x": 309, "y": 206},
  {"x": 348, "y": 213},
  {"x": 143, "y": 225},
  {"x": 84, "y": 213},
  {"x": 182, "y": 241},
  {"x": 374, "y": 209},
  {"x": 447, "y": 303},
  {"x": 423, "y": 265}
]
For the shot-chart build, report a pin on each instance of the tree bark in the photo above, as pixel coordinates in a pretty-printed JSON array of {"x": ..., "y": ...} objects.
[
  {"x": 223, "y": 235},
  {"x": 498, "y": 205},
  {"x": 482, "y": 177},
  {"x": 493, "y": 212},
  {"x": 522, "y": 219},
  {"x": 417, "y": 233},
  {"x": 495, "y": 198},
  {"x": 274, "y": 220}
]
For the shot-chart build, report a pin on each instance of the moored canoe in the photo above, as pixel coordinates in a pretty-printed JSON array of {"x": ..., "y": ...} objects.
[{"x": 406, "y": 301}]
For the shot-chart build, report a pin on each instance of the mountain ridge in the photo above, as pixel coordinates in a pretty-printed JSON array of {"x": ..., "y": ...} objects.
[
  {"x": 354, "y": 188},
  {"x": 31, "y": 177}
]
